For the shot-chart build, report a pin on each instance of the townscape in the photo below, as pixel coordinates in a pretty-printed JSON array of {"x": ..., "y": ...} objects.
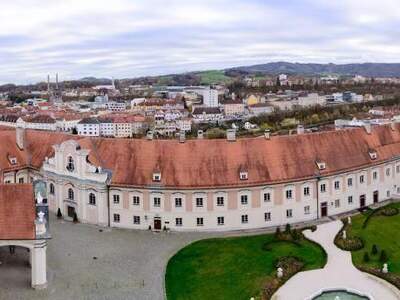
[{"x": 187, "y": 150}]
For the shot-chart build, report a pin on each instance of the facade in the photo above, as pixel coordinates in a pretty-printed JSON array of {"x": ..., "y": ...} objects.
[
  {"x": 88, "y": 127},
  {"x": 212, "y": 185}
]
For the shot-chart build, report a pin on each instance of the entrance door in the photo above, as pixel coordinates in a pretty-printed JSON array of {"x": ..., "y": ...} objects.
[
  {"x": 362, "y": 201},
  {"x": 71, "y": 211},
  {"x": 324, "y": 209},
  {"x": 157, "y": 223},
  {"x": 376, "y": 197}
]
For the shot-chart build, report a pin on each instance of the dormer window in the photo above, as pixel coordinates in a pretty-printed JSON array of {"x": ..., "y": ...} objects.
[
  {"x": 243, "y": 175},
  {"x": 13, "y": 160},
  {"x": 70, "y": 164},
  {"x": 157, "y": 176},
  {"x": 321, "y": 165},
  {"x": 372, "y": 154}
]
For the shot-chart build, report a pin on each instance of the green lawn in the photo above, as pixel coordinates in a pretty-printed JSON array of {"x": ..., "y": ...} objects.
[
  {"x": 232, "y": 268},
  {"x": 385, "y": 233},
  {"x": 213, "y": 77}
]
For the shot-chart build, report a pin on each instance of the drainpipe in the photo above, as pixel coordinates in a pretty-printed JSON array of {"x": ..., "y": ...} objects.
[
  {"x": 317, "y": 189},
  {"x": 108, "y": 205}
]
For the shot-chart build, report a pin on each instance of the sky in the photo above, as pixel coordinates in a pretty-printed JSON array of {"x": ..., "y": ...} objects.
[{"x": 131, "y": 38}]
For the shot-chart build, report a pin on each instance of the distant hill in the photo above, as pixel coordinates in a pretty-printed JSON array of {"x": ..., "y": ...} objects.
[{"x": 365, "y": 69}]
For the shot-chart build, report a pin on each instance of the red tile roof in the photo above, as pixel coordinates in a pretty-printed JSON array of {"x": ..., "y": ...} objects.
[
  {"x": 17, "y": 212},
  {"x": 216, "y": 163}
]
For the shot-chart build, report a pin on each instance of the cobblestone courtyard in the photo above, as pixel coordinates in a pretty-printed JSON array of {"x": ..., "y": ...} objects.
[{"x": 89, "y": 262}]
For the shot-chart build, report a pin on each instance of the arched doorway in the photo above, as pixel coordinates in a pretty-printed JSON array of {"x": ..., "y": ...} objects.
[{"x": 15, "y": 267}]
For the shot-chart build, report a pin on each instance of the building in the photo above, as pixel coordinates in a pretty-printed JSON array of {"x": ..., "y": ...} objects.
[
  {"x": 206, "y": 114},
  {"x": 208, "y": 185},
  {"x": 210, "y": 97},
  {"x": 116, "y": 106},
  {"x": 233, "y": 107},
  {"x": 88, "y": 127},
  {"x": 25, "y": 224},
  {"x": 39, "y": 122}
]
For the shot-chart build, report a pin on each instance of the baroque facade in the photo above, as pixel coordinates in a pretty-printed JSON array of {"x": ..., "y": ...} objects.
[{"x": 210, "y": 185}]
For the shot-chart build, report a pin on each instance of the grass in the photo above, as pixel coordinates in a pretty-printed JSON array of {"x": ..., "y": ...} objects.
[
  {"x": 213, "y": 77},
  {"x": 233, "y": 268},
  {"x": 382, "y": 231}
]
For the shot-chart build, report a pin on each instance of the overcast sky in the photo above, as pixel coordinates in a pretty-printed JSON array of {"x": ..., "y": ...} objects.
[{"x": 129, "y": 38}]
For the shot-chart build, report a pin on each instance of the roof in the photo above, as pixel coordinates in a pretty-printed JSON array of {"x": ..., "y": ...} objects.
[
  {"x": 17, "y": 212},
  {"x": 207, "y": 110},
  {"x": 216, "y": 163}
]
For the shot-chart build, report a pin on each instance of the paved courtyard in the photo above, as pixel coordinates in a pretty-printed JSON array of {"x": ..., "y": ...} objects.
[{"x": 85, "y": 263}]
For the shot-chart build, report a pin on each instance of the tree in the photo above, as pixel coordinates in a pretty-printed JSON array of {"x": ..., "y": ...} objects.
[
  {"x": 374, "y": 249},
  {"x": 383, "y": 258},
  {"x": 287, "y": 228},
  {"x": 366, "y": 257},
  {"x": 59, "y": 214},
  {"x": 277, "y": 231}
]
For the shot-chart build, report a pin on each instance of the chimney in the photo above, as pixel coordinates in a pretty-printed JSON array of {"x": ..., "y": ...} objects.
[
  {"x": 20, "y": 137},
  {"x": 182, "y": 137},
  {"x": 149, "y": 135},
  {"x": 367, "y": 128},
  {"x": 267, "y": 134},
  {"x": 56, "y": 81},
  {"x": 300, "y": 129},
  {"x": 200, "y": 134},
  {"x": 393, "y": 125},
  {"x": 231, "y": 135},
  {"x": 48, "y": 84}
]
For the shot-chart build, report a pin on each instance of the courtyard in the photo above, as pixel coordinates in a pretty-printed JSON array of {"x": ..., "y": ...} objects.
[{"x": 90, "y": 262}]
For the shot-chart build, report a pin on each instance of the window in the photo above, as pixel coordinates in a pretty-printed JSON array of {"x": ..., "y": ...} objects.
[
  {"x": 136, "y": 200},
  {"x": 267, "y": 197},
  {"x": 244, "y": 176},
  {"x": 117, "y": 218},
  {"x": 289, "y": 194},
  {"x": 337, "y": 203},
  {"x": 289, "y": 213},
  {"x": 157, "y": 201},
  {"x": 323, "y": 188},
  {"x": 199, "y": 202},
  {"x": 388, "y": 194},
  {"x": 245, "y": 219},
  {"x": 200, "y": 221},
  {"x": 70, "y": 164},
  {"x": 178, "y": 221},
  {"x": 375, "y": 175},
  {"x": 387, "y": 172},
  {"x": 52, "y": 189},
  {"x": 70, "y": 194},
  {"x": 220, "y": 201},
  {"x": 361, "y": 178},
  {"x": 136, "y": 220},
  {"x": 220, "y": 220},
  {"x": 267, "y": 216},
  {"x": 21, "y": 180},
  {"x": 306, "y": 191},
  {"x": 116, "y": 199},
  {"x": 350, "y": 199},
  {"x": 307, "y": 210},
  {"x": 243, "y": 199},
  {"x": 178, "y": 202},
  {"x": 397, "y": 169},
  {"x": 156, "y": 176},
  {"x": 349, "y": 181},
  {"x": 92, "y": 199},
  {"x": 337, "y": 185}
]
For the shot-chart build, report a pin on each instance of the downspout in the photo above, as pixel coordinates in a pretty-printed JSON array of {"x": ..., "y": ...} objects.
[
  {"x": 317, "y": 189},
  {"x": 108, "y": 205}
]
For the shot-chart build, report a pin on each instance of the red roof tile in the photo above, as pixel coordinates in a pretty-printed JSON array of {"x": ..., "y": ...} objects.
[{"x": 17, "y": 212}]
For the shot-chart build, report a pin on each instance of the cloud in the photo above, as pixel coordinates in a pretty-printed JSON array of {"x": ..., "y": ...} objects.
[{"x": 128, "y": 38}]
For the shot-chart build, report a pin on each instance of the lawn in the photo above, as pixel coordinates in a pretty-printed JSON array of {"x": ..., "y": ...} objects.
[
  {"x": 213, "y": 77},
  {"x": 233, "y": 268},
  {"x": 383, "y": 231}
]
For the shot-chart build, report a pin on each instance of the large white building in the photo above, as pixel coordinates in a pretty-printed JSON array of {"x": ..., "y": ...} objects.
[{"x": 207, "y": 185}]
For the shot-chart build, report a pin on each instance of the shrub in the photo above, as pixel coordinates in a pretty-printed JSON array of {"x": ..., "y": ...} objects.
[
  {"x": 374, "y": 250},
  {"x": 296, "y": 235},
  {"x": 277, "y": 231},
  {"x": 383, "y": 258},
  {"x": 366, "y": 257},
  {"x": 59, "y": 214},
  {"x": 287, "y": 228},
  {"x": 389, "y": 211},
  {"x": 75, "y": 219}
]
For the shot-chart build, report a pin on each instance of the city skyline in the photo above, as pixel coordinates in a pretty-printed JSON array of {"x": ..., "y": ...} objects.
[{"x": 132, "y": 38}]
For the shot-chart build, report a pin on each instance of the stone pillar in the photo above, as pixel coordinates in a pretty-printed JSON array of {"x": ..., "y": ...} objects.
[{"x": 38, "y": 264}]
